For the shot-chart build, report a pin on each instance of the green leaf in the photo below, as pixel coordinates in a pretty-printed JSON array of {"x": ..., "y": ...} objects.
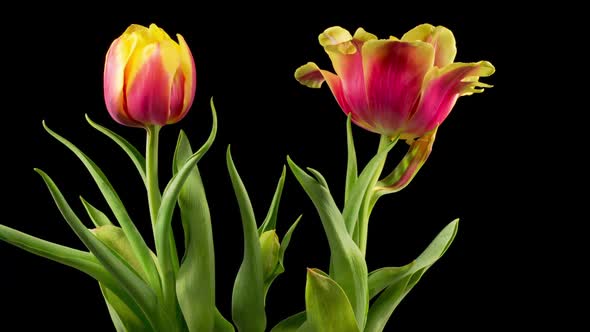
[
  {"x": 221, "y": 324},
  {"x": 361, "y": 185},
  {"x": 383, "y": 277},
  {"x": 348, "y": 263},
  {"x": 327, "y": 307},
  {"x": 117, "y": 322},
  {"x": 140, "y": 248},
  {"x": 280, "y": 267},
  {"x": 129, "y": 280},
  {"x": 270, "y": 222},
  {"x": 195, "y": 281},
  {"x": 351, "y": 164},
  {"x": 124, "y": 319},
  {"x": 135, "y": 156},
  {"x": 164, "y": 221},
  {"x": 387, "y": 301},
  {"x": 290, "y": 324},
  {"x": 98, "y": 217},
  {"x": 80, "y": 260},
  {"x": 248, "y": 293}
]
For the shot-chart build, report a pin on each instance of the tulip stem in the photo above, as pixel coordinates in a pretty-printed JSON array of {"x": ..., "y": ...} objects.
[
  {"x": 153, "y": 187},
  {"x": 367, "y": 206}
]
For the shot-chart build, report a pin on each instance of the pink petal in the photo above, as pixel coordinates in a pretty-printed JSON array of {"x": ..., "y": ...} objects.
[
  {"x": 114, "y": 81},
  {"x": 394, "y": 72},
  {"x": 148, "y": 94},
  {"x": 442, "y": 91},
  {"x": 177, "y": 110},
  {"x": 345, "y": 52}
]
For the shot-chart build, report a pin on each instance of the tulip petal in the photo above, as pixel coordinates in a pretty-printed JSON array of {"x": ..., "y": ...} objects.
[
  {"x": 177, "y": 97},
  {"x": 441, "y": 91},
  {"x": 114, "y": 79},
  {"x": 148, "y": 90},
  {"x": 187, "y": 65},
  {"x": 312, "y": 76},
  {"x": 440, "y": 38},
  {"x": 394, "y": 72},
  {"x": 344, "y": 51}
]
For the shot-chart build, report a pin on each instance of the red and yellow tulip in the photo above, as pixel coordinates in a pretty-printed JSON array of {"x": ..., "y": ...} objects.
[
  {"x": 396, "y": 87},
  {"x": 149, "y": 79}
]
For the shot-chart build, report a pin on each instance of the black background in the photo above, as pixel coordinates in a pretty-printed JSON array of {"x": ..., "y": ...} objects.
[{"x": 246, "y": 56}]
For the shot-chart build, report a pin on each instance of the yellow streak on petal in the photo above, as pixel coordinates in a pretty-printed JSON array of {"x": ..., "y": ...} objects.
[
  {"x": 337, "y": 39},
  {"x": 362, "y": 35},
  {"x": 309, "y": 75},
  {"x": 421, "y": 32},
  {"x": 188, "y": 68}
]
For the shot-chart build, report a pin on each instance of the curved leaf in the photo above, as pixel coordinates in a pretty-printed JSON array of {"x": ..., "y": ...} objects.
[
  {"x": 351, "y": 162},
  {"x": 270, "y": 222},
  {"x": 248, "y": 294},
  {"x": 348, "y": 263},
  {"x": 135, "y": 156},
  {"x": 164, "y": 221},
  {"x": 137, "y": 288},
  {"x": 290, "y": 324},
  {"x": 387, "y": 301},
  {"x": 327, "y": 307},
  {"x": 140, "y": 248},
  {"x": 195, "y": 281},
  {"x": 98, "y": 217},
  {"x": 357, "y": 192}
]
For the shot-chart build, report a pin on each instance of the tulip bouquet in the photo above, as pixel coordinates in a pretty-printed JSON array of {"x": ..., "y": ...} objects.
[{"x": 401, "y": 89}]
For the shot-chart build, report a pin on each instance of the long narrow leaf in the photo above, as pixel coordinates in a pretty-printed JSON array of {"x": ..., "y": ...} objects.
[
  {"x": 98, "y": 217},
  {"x": 358, "y": 191},
  {"x": 134, "y": 154},
  {"x": 140, "y": 248},
  {"x": 164, "y": 220},
  {"x": 384, "y": 277},
  {"x": 348, "y": 263},
  {"x": 351, "y": 163},
  {"x": 387, "y": 301},
  {"x": 195, "y": 281},
  {"x": 137, "y": 288},
  {"x": 248, "y": 293},
  {"x": 270, "y": 222},
  {"x": 80, "y": 260},
  {"x": 124, "y": 318}
]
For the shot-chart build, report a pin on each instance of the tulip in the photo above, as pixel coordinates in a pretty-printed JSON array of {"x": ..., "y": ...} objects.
[
  {"x": 149, "y": 79},
  {"x": 397, "y": 88}
]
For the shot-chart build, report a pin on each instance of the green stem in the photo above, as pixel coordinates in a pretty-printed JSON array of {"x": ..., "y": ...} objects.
[
  {"x": 153, "y": 187},
  {"x": 367, "y": 206}
]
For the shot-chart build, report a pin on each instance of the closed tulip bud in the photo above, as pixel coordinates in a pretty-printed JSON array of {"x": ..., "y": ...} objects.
[
  {"x": 269, "y": 249},
  {"x": 149, "y": 79}
]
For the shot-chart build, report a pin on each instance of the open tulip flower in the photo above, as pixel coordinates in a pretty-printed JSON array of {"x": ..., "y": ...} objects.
[
  {"x": 395, "y": 87},
  {"x": 400, "y": 89}
]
